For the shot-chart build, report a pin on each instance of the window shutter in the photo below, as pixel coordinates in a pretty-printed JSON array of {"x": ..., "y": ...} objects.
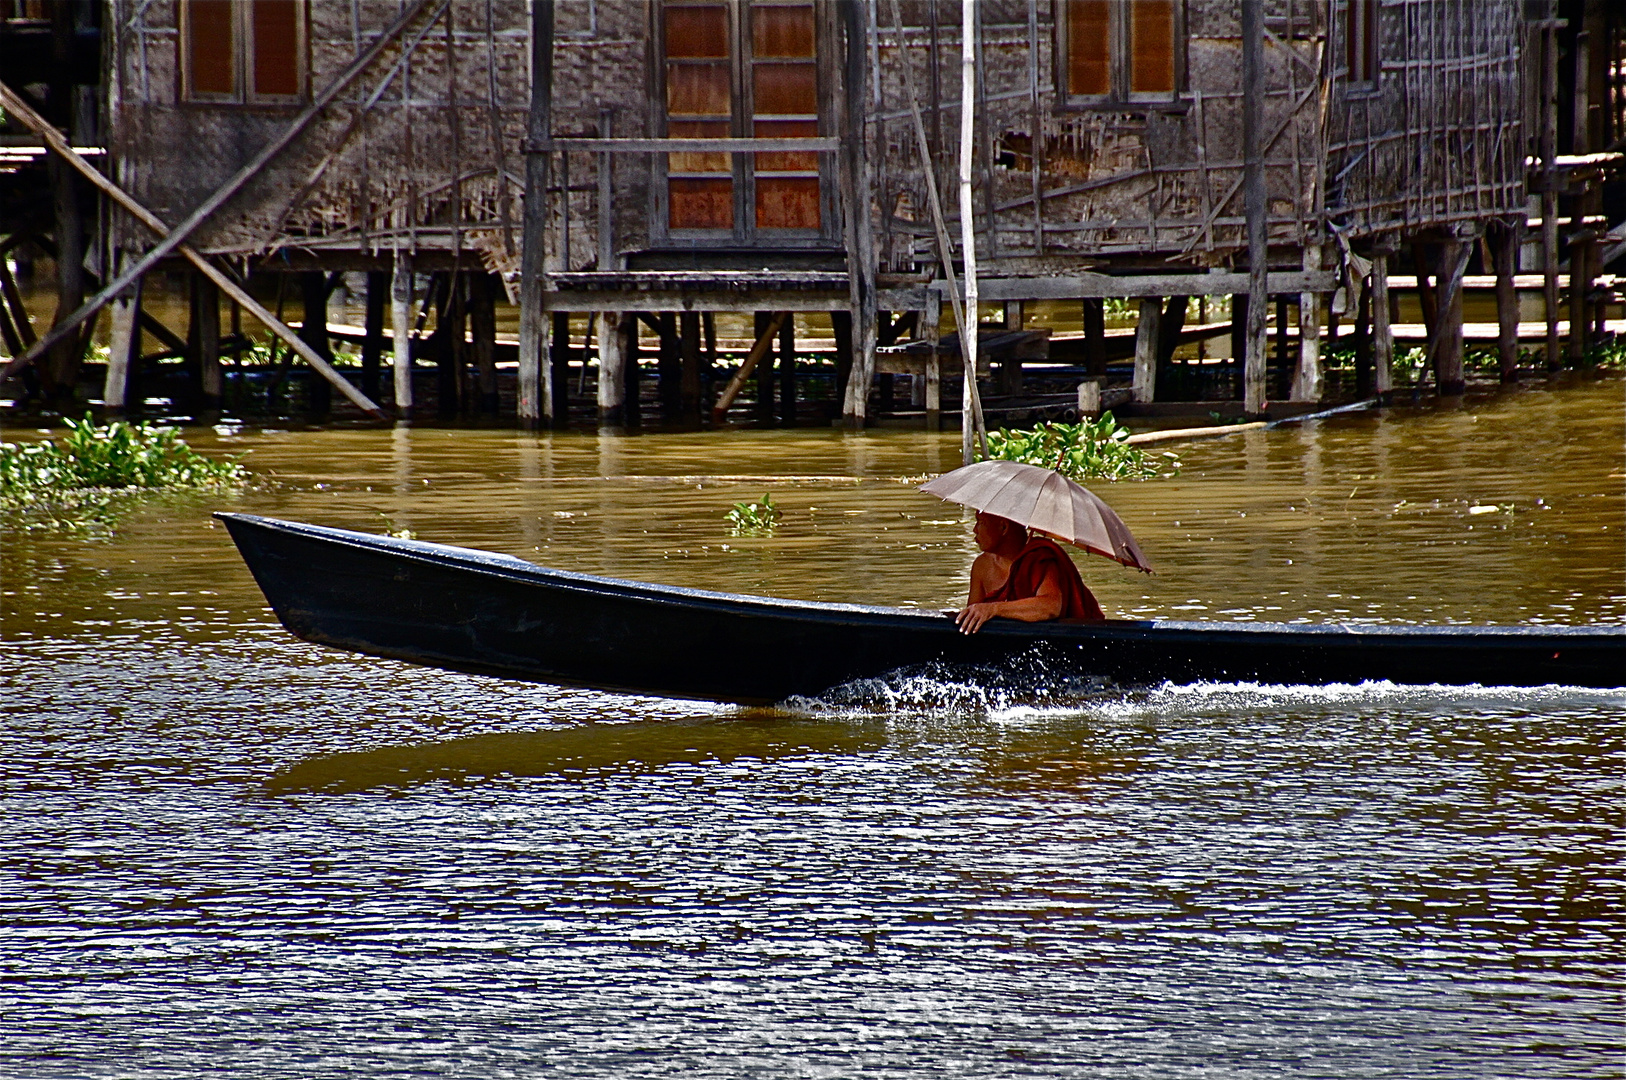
[
  {"x": 275, "y": 68},
  {"x": 1151, "y": 47},
  {"x": 1089, "y": 48},
  {"x": 211, "y": 61}
]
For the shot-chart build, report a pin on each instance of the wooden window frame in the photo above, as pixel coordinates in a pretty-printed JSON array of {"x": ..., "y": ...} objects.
[
  {"x": 1120, "y": 98},
  {"x": 243, "y": 58},
  {"x": 1365, "y": 16},
  {"x": 745, "y": 232}
]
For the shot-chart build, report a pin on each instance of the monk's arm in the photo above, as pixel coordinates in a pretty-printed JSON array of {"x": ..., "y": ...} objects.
[{"x": 1045, "y": 604}]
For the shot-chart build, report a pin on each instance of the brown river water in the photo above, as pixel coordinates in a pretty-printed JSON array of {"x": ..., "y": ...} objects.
[{"x": 224, "y": 849}]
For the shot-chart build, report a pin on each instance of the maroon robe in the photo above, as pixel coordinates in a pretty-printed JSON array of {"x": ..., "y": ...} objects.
[{"x": 1041, "y": 558}]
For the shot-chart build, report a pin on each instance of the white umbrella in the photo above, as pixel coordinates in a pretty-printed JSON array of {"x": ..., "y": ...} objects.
[{"x": 1044, "y": 500}]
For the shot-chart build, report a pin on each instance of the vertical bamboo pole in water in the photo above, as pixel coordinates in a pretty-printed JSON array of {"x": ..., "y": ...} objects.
[
  {"x": 968, "y": 226},
  {"x": 1253, "y": 374}
]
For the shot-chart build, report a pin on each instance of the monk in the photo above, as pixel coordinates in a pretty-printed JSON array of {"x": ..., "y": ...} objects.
[{"x": 1017, "y": 576}]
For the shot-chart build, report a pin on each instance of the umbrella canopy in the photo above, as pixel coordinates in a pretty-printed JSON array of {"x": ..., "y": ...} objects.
[{"x": 1045, "y": 500}]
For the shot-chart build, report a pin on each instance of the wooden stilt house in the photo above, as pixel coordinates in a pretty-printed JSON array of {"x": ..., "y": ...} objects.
[{"x": 652, "y": 161}]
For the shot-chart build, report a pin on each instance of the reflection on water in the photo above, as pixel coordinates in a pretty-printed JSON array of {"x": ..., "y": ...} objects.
[{"x": 221, "y": 848}]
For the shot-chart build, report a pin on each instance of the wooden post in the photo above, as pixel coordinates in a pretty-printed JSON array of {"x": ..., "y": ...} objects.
[
  {"x": 765, "y": 387},
  {"x": 313, "y": 286},
  {"x": 932, "y": 316},
  {"x": 841, "y": 326},
  {"x": 536, "y": 388},
  {"x": 1095, "y": 335},
  {"x": 372, "y": 341},
  {"x": 210, "y": 378},
  {"x": 1283, "y": 345},
  {"x": 1448, "y": 371},
  {"x": 1253, "y": 40},
  {"x": 787, "y": 371},
  {"x": 612, "y": 370},
  {"x": 123, "y": 351},
  {"x": 401, "y": 331},
  {"x": 1580, "y": 287},
  {"x": 1146, "y": 342},
  {"x": 559, "y": 370},
  {"x": 689, "y": 380},
  {"x": 766, "y": 330},
  {"x": 1504, "y": 240},
  {"x": 1307, "y": 375},
  {"x": 1239, "y": 342},
  {"x": 668, "y": 366},
  {"x": 1548, "y": 136},
  {"x": 1089, "y": 399},
  {"x": 1363, "y": 341},
  {"x": 855, "y": 195},
  {"x": 1383, "y": 340},
  {"x": 632, "y": 406}
]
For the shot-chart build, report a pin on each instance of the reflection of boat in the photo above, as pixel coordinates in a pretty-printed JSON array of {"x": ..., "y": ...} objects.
[{"x": 497, "y": 615}]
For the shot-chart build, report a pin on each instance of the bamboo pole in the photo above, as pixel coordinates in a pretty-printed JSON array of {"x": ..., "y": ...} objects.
[
  {"x": 970, "y": 407},
  {"x": 945, "y": 247},
  {"x": 1383, "y": 338},
  {"x": 173, "y": 238},
  {"x": 763, "y": 343},
  {"x": 401, "y": 331},
  {"x": 20, "y": 109},
  {"x": 535, "y": 376}
]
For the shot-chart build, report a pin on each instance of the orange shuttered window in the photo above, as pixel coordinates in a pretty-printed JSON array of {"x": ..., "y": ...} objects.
[
  {"x": 276, "y": 48},
  {"x": 1151, "y": 47},
  {"x": 699, "y": 105},
  {"x": 1089, "y": 48},
  {"x": 245, "y": 51},
  {"x": 785, "y": 104},
  {"x": 211, "y": 60}
]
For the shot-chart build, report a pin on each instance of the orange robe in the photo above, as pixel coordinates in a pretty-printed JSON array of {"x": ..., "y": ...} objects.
[{"x": 1041, "y": 558}]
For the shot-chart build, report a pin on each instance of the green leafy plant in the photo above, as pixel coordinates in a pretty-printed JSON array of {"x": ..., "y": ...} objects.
[
  {"x": 93, "y": 460},
  {"x": 1087, "y": 450},
  {"x": 754, "y": 518}
]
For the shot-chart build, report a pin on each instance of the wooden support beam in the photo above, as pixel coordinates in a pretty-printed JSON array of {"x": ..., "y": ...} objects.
[
  {"x": 1383, "y": 339},
  {"x": 1504, "y": 243},
  {"x": 930, "y": 321},
  {"x": 612, "y": 369},
  {"x": 401, "y": 331},
  {"x": 856, "y": 186},
  {"x": 206, "y": 300},
  {"x": 483, "y": 329},
  {"x": 313, "y": 332},
  {"x": 766, "y": 333},
  {"x": 689, "y": 376},
  {"x": 787, "y": 372},
  {"x": 535, "y": 383},
  {"x": 559, "y": 369},
  {"x": 1146, "y": 341},
  {"x": 1253, "y": 182},
  {"x": 1095, "y": 335},
  {"x": 372, "y": 342},
  {"x": 1307, "y": 375},
  {"x": 123, "y": 350},
  {"x": 1445, "y": 342},
  {"x": 971, "y": 425}
]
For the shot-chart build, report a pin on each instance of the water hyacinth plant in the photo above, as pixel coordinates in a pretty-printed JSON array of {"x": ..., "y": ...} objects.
[
  {"x": 117, "y": 457},
  {"x": 754, "y": 519},
  {"x": 1087, "y": 450}
]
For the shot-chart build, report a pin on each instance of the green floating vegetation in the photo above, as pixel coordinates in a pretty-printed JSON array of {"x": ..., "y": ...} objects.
[
  {"x": 74, "y": 480},
  {"x": 754, "y": 518},
  {"x": 1087, "y": 450}
]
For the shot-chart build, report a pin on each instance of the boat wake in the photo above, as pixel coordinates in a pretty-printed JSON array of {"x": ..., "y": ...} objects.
[{"x": 1036, "y": 685}]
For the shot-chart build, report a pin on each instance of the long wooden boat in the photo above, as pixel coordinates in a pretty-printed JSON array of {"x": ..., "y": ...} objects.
[{"x": 475, "y": 611}]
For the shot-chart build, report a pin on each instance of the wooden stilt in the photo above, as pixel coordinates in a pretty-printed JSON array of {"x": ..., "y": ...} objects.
[
  {"x": 1095, "y": 335},
  {"x": 314, "y": 287},
  {"x": 449, "y": 352},
  {"x": 612, "y": 370},
  {"x": 689, "y": 379},
  {"x": 632, "y": 407},
  {"x": 372, "y": 341},
  {"x": 932, "y": 317},
  {"x": 787, "y": 371},
  {"x": 1363, "y": 341},
  {"x": 559, "y": 370},
  {"x": 1169, "y": 326},
  {"x": 123, "y": 350},
  {"x": 765, "y": 384},
  {"x": 767, "y": 330},
  {"x": 483, "y": 329},
  {"x": 1284, "y": 346},
  {"x": 1307, "y": 373},
  {"x": 1253, "y": 379},
  {"x": 1239, "y": 343},
  {"x": 1383, "y": 341},
  {"x": 536, "y": 390},
  {"x": 841, "y": 326},
  {"x": 669, "y": 367},
  {"x": 1580, "y": 287},
  {"x": 1504, "y": 241},
  {"x": 401, "y": 331},
  {"x": 1146, "y": 342},
  {"x": 210, "y": 380},
  {"x": 1448, "y": 368}
]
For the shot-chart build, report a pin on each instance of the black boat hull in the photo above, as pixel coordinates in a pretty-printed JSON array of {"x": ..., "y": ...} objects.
[{"x": 492, "y": 614}]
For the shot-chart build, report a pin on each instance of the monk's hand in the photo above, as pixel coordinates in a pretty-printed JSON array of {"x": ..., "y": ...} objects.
[{"x": 972, "y": 616}]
